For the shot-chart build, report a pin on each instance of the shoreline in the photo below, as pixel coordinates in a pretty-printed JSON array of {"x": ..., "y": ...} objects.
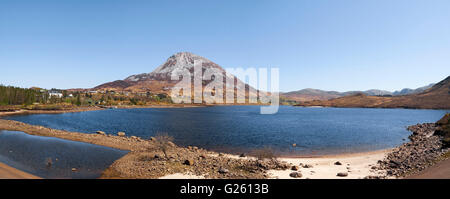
[
  {"x": 337, "y": 155},
  {"x": 29, "y": 112},
  {"x": 125, "y": 166},
  {"x": 368, "y": 107},
  {"x": 90, "y": 108},
  {"x": 354, "y": 164}
]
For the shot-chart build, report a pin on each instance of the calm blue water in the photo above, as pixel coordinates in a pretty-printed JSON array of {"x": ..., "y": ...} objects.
[
  {"x": 316, "y": 131},
  {"x": 32, "y": 153}
]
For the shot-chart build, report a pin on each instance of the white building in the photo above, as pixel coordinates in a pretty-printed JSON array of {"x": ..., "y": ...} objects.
[{"x": 55, "y": 93}]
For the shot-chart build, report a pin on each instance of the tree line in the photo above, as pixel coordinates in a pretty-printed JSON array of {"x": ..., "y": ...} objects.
[{"x": 10, "y": 95}]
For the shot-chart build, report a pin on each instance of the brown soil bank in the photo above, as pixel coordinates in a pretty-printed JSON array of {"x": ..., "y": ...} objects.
[
  {"x": 18, "y": 111},
  {"x": 428, "y": 147},
  {"x": 439, "y": 171},
  {"x": 147, "y": 160},
  {"x": 436, "y": 97}
]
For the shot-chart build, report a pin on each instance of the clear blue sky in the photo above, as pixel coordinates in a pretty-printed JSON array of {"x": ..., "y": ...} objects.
[{"x": 331, "y": 45}]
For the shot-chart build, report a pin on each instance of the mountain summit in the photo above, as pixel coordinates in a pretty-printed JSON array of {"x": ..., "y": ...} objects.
[
  {"x": 182, "y": 60},
  {"x": 159, "y": 81}
]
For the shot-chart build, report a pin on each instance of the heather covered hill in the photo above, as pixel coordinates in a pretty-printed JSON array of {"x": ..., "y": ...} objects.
[
  {"x": 310, "y": 94},
  {"x": 436, "y": 97}
]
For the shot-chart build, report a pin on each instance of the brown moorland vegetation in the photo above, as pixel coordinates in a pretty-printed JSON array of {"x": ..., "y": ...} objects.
[{"x": 436, "y": 97}]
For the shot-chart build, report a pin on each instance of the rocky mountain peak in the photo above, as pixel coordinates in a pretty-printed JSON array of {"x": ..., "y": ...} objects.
[{"x": 181, "y": 60}]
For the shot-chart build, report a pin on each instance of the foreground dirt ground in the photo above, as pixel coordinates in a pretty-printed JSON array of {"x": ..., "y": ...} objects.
[
  {"x": 7, "y": 172},
  {"x": 439, "y": 171}
]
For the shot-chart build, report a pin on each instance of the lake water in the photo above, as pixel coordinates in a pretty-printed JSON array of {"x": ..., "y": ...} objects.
[
  {"x": 32, "y": 154},
  {"x": 236, "y": 129}
]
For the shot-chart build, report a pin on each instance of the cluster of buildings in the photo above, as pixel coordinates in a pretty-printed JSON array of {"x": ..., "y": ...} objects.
[{"x": 59, "y": 93}]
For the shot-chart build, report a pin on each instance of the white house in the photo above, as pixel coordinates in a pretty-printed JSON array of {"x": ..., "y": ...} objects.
[{"x": 55, "y": 93}]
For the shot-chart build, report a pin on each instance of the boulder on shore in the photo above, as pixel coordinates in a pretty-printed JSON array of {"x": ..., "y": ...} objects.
[
  {"x": 100, "y": 132},
  {"x": 189, "y": 162},
  {"x": 121, "y": 134},
  {"x": 307, "y": 166},
  {"x": 296, "y": 175}
]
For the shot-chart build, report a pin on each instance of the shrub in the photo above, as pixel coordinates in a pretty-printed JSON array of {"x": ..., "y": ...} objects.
[
  {"x": 163, "y": 142},
  {"x": 264, "y": 153}
]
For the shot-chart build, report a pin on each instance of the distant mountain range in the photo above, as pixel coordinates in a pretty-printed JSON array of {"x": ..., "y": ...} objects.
[
  {"x": 407, "y": 91},
  {"x": 435, "y": 97},
  {"x": 159, "y": 81},
  {"x": 316, "y": 94}
]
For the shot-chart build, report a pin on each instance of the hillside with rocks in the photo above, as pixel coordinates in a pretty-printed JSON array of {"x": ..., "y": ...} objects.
[{"x": 428, "y": 146}]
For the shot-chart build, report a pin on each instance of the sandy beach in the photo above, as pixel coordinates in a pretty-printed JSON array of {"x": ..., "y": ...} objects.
[{"x": 357, "y": 166}]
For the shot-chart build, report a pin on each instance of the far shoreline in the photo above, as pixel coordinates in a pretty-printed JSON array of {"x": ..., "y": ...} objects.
[{"x": 90, "y": 108}]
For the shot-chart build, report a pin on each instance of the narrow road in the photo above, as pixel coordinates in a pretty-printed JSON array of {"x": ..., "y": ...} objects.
[{"x": 439, "y": 171}]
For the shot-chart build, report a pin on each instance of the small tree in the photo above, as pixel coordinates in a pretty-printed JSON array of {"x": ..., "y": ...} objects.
[
  {"x": 163, "y": 142},
  {"x": 78, "y": 101},
  {"x": 264, "y": 153}
]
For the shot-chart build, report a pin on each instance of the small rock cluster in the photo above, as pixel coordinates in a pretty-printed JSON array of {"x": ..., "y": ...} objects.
[{"x": 422, "y": 151}]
